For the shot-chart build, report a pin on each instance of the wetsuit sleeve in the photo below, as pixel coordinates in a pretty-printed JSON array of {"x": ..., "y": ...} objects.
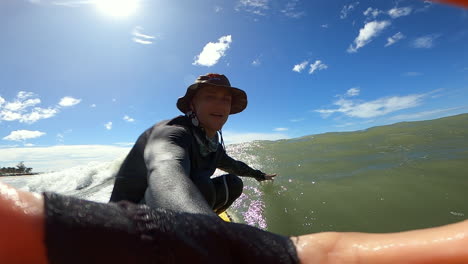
[
  {"x": 79, "y": 231},
  {"x": 168, "y": 164},
  {"x": 239, "y": 168}
]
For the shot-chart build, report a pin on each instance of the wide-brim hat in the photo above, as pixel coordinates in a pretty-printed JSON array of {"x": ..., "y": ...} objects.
[{"x": 239, "y": 97}]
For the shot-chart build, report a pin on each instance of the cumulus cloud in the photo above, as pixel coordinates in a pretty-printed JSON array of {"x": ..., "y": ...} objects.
[
  {"x": 128, "y": 119},
  {"x": 367, "y": 34},
  {"x": 24, "y": 108},
  {"x": 425, "y": 42},
  {"x": 375, "y": 108},
  {"x": 300, "y": 67},
  {"x": 347, "y": 9},
  {"x": 108, "y": 125},
  {"x": 394, "y": 39},
  {"x": 257, "y": 7},
  {"x": 324, "y": 26},
  {"x": 21, "y": 135},
  {"x": 372, "y": 13},
  {"x": 141, "y": 38},
  {"x": 291, "y": 10},
  {"x": 256, "y": 62},
  {"x": 69, "y": 101},
  {"x": 317, "y": 66},
  {"x": 231, "y": 137},
  {"x": 399, "y": 12},
  {"x": 353, "y": 92},
  {"x": 281, "y": 129},
  {"x": 212, "y": 52}
]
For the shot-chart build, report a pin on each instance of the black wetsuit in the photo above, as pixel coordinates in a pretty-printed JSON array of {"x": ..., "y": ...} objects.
[
  {"x": 165, "y": 169},
  {"x": 79, "y": 231}
]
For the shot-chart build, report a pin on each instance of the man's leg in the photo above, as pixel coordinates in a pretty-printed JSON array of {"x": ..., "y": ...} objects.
[{"x": 228, "y": 188}]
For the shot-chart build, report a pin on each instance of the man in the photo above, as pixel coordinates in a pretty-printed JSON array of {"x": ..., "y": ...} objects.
[{"x": 171, "y": 163}]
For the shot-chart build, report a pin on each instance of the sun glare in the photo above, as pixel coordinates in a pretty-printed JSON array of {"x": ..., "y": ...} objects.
[{"x": 117, "y": 8}]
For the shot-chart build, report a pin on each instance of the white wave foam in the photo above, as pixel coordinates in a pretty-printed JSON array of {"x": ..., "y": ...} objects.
[{"x": 88, "y": 182}]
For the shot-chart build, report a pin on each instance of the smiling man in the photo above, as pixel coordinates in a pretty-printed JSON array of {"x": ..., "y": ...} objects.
[{"x": 171, "y": 164}]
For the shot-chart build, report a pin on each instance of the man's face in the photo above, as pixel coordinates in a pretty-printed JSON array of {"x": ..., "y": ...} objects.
[{"x": 212, "y": 105}]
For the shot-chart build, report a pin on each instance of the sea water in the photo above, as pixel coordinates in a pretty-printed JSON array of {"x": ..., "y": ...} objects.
[{"x": 381, "y": 180}]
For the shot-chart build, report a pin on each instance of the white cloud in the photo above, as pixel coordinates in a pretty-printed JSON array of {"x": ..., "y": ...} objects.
[
  {"x": 317, "y": 66},
  {"x": 425, "y": 42},
  {"x": 367, "y": 34},
  {"x": 372, "y": 13},
  {"x": 218, "y": 9},
  {"x": 256, "y": 62},
  {"x": 141, "y": 38},
  {"x": 35, "y": 1},
  {"x": 426, "y": 114},
  {"x": 347, "y": 9},
  {"x": 399, "y": 11},
  {"x": 212, "y": 52},
  {"x": 353, "y": 92},
  {"x": 291, "y": 10},
  {"x": 128, "y": 119},
  {"x": 394, "y": 39},
  {"x": 108, "y": 125},
  {"x": 93, "y": 106},
  {"x": 69, "y": 101},
  {"x": 38, "y": 114},
  {"x": 231, "y": 137},
  {"x": 324, "y": 26},
  {"x": 370, "y": 109},
  {"x": 54, "y": 158},
  {"x": 21, "y": 105},
  {"x": 125, "y": 144},
  {"x": 294, "y": 120},
  {"x": 257, "y": 7},
  {"x": 300, "y": 67},
  {"x": 23, "y": 109},
  {"x": 281, "y": 129},
  {"x": 21, "y": 135},
  {"x": 24, "y": 95},
  {"x": 141, "y": 41}
]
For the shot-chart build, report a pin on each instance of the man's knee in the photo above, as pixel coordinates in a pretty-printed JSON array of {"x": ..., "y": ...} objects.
[{"x": 236, "y": 186}]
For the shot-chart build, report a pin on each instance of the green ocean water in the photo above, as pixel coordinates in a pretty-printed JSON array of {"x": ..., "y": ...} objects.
[{"x": 392, "y": 178}]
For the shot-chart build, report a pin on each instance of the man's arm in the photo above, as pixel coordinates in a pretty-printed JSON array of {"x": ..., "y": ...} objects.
[
  {"x": 236, "y": 167},
  {"x": 26, "y": 225},
  {"x": 168, "y": 164}
]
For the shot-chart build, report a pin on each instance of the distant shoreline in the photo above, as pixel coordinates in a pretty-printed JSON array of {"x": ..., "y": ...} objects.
[{"x": 19, "y": 174}]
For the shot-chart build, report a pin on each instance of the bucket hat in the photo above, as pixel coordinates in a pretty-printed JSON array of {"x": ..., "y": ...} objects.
[{"x": 239, "y": 97}]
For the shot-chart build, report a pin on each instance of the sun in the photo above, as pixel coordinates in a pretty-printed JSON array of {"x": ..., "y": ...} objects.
[{"x": 117, "y": 8}]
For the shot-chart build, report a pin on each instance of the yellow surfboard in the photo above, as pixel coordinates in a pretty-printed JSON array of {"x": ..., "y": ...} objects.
[{"x": 224, "y": 215}]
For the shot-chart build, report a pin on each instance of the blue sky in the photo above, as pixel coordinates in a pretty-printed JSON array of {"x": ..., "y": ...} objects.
[{"x": 80, "y": 80}]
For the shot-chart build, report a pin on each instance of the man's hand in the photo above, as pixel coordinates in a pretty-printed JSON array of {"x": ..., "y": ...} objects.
[{"x": 268, "y": 177}]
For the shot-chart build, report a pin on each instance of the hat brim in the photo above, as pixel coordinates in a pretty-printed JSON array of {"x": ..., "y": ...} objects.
[{"x": 238, "y": 101}]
